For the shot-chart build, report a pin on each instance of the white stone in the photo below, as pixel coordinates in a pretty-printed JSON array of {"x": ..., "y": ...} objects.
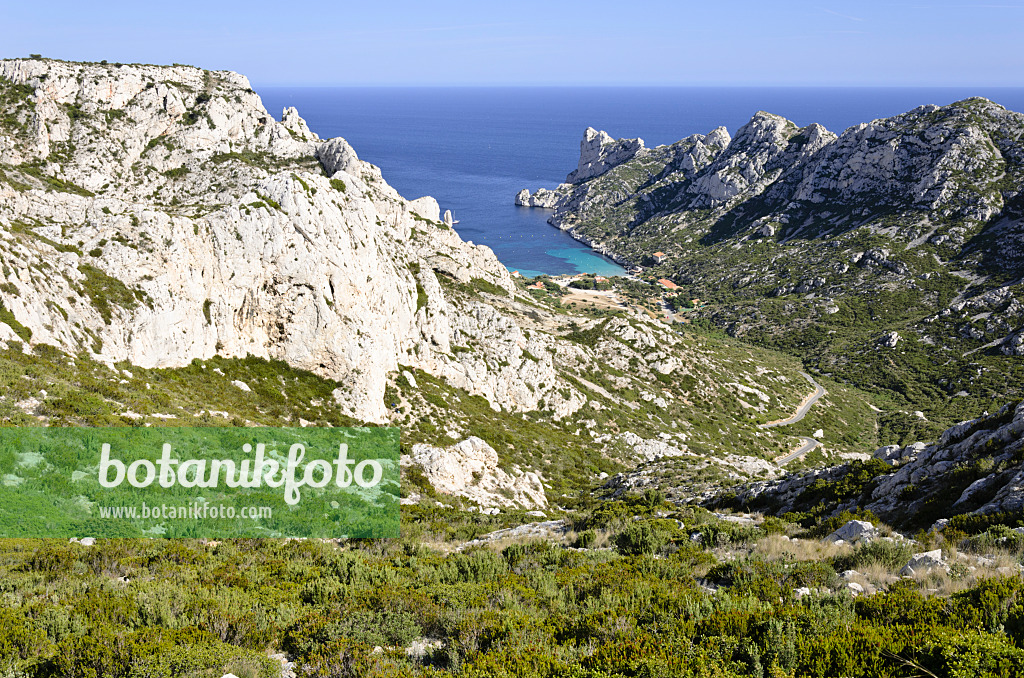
[
  {"x": 889, "y": 339},
  {"x": 927, "y": 560},
  {"x": 854, "y": 531},
  {"x": 470, "y": 469}
]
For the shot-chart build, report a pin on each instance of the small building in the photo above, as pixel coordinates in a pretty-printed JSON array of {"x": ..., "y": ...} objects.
[
  {"x": 515, "y": 274},
  {"x": 598, "y": 278},
  {"x": 536, "y": 286},
  {"x": 659, "y": 257},
  {"x": 668, "y": 284}
]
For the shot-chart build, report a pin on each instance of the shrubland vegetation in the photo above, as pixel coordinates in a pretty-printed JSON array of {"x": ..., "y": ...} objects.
[
  {"x": 823, "y": 281},
  {"x": 624, "y": 584},
  {"x": 653, "y": 592}
]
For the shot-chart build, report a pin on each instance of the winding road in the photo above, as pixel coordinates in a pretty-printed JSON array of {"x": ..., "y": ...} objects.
[
  {"x": 808, "y": 443},
  {"x": 809, "y": 401}
]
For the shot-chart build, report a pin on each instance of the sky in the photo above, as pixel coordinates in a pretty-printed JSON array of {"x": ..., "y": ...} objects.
[{"x": 476, "y": 42}]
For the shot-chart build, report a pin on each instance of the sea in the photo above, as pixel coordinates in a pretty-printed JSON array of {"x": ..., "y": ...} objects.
[{"x": 474, "y": 148}]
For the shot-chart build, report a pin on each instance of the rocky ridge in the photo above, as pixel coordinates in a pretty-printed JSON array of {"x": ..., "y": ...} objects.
[
  {"x": 829, "y": 245},
  {"x": 191, "y": 222},
  {"x": 975, "y": 467}
]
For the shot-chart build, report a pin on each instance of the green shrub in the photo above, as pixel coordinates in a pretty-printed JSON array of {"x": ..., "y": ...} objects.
[
  {"x": 7, "y": 317},
  {"x": 643, "y": 537},
  {"x": 585, "y": 539},
  {"x": 1001, "y": 536},
  {"x": 106, "y": 292},
  {"x": 892, "y": 555}
]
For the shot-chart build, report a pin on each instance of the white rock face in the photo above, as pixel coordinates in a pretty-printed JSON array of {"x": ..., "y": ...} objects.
[
  {"x": 337, "y": 156},
  {"x": 599, "y": 153},
  {"x": 470, "y": 469},
  {"x": 542, "y": 198},
  {"x": 649, "y": 450},
  {"x": 219, "y": 225}
]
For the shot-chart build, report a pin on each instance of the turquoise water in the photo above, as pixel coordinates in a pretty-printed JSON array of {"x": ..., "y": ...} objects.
[
  {"x": 584, "y": 261},
  {"x": 474, "y": 148}
]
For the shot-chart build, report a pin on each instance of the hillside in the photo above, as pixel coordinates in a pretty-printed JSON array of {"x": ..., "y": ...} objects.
[
  {"x": 889, "y": 256},
  {"x": 160, "y": 222},
  {"x": 174, "y": 255}
]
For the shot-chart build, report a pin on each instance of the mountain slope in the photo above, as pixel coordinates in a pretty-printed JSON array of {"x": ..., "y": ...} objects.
[
  {"x": 159, "y": 221},
  {"x": 824, "y": 245},
  {"x": 975, "y": 470}
]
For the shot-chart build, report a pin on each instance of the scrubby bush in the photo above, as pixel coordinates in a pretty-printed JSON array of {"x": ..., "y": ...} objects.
[
  {"x": 585, "y": 539},
  {"x": 996, "y": 537},
  {"x": 892, "y": 555},
  {"x": 641, "y": 538}
]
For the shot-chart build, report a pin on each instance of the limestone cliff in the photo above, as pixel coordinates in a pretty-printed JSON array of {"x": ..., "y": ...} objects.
[
  {"x": 161, "y": 217},
  {"x": 831, "y": 246},
  {"x": 161, "y": 214}
]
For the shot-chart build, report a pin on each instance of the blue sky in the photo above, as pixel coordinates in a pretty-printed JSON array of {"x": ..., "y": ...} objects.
[{"x": 467, "y": 42}]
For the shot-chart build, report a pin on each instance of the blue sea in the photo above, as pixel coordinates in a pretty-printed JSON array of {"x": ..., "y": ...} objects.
[{"x": 473, "y": 149}]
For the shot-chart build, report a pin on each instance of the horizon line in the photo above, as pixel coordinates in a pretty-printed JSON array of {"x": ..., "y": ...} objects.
[{"x": 621, "y": 86}]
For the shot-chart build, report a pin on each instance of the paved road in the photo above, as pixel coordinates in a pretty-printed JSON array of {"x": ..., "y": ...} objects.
[
  {"x": 809, "y": 444},
  {"x": 819, "y": 391}
]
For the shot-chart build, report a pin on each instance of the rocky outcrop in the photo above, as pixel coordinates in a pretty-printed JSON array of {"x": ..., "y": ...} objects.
[
  {"x": 599, "y": 153},
  {"x": 470, "y": 469},
  {"x": 785, "y": 229},
  {"x": 975, "y": 467},
  {"x": 889, "y": 340},
  {"x": 542, "y": 198},
  {"x": 953, "y": 160},
  {"x": 157, "y": 215}
]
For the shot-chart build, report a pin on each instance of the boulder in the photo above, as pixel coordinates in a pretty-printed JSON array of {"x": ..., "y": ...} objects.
[
  {"x": 336, "y": 155},
  {"x": 470, "y": 469},
  {"x": 889, "y": 340},
  {"x": 853, "y": 532},
  {"x": 923, "y": 562}
]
